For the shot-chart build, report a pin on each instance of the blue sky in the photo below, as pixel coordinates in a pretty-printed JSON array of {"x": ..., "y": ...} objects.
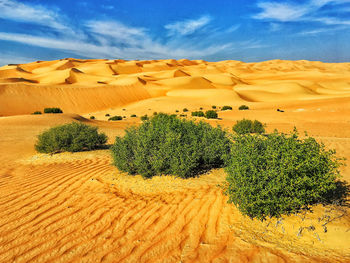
[{"x": 159, "y": 29}]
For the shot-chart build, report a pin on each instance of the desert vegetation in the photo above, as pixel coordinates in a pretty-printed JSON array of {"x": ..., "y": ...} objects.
[
  {"x": 226, "y": 108},
  {"x": 92, "y": 117},
  {"x": 211, "y": 114},
  {"x": 243, "y": 107},
  {"x": 72, "y": 137},
  {"x": 36, "y": 112},
  {"x": 53, "y": 110},
  {"x": 279, "y": 174},
  {"x": 115, "y": 118},
  {"x": 198, "y": 114},
  {"x": 248, "y": 126},
  {"x": 167, "y": 145}
]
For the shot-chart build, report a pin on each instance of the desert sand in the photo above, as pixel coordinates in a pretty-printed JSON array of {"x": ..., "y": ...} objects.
[{"x": 79, "y": 208}]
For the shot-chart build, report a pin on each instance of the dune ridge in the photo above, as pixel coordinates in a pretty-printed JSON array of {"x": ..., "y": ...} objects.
[{"x": 266, "y": 81}]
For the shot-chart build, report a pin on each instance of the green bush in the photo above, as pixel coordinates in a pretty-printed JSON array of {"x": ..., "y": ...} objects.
[
  {"x": 210, "y": 114},
  {"x": 213, "y": 107},
  {"x": 248, "y": 126},
  {"x": 168, "y": 145},
  {"x": 107, "y": 115},
  {"x": 71, "y": 137},
  {"x": 198, "y": 114},
  {"x": 177, "y": 111},
  {"x": 185, "y": 110},
  {"x": 133, "y": 115},
  {"x": 36, "y": 112},
  {"x": 115, "y": 118},
  {"x": 279, "y": 174},
  {"x": 226, "y": 108},
  {"x": 155, "y": 113},
  {"x": 201, "y": 108},
  {"x": 92, "y": 117},
  {"x": 243, "y": 107},
  {"x": 53, "y": 110},
  {"x": 144, "y": 117}
]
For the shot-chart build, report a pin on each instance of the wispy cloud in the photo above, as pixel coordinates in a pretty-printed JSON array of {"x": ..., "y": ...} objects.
[
  {"x": 297, "y": 12},
  {"x": 36, "y": 14},
  {"x": 187, "y": 27}
]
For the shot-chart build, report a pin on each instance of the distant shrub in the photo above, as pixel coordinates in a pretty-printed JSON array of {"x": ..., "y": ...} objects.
[
  {"x": 210, "y": 114},
  {"x": 248, "y": 126},
  {"x": 213, "y": 107},
  {"x": 53, "y": 110},
  {"x": 279, "y": 174},
  {"x": 243, "y": 107},
  {"x": 36, "y": 112},
  {"x": 124, "y": 117},
  {"x": 226, "y": 108},
  {"x": 133, "y": 115},
  {"x": 71, "y": 137},
  {"x": 183, "y": 115},
  {"x": 124, "y": 109},
  {"x": 155, "y": 113},
  {"x": 144, "y": 117},
  {"x": 115, "y": 118},
  {"x": 168, "y": 145},
  {"x": 198, "y": 113},
  {"x": 92, "y": 117},
  {"x": 185, "y": 110},
  {"x": 201, "y": 108},
  {"x": 107, "y": 115},
  {"x": 177, "y": 111}
]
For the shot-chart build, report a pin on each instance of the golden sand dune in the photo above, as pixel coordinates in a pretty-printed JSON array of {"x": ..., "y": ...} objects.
[
  {"x": 80, "y": 208},
  {"x": 267, "y": 81}
]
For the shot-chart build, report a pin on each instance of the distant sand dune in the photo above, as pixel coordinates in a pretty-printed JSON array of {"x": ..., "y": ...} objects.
[{"x": 25, "y": 87}]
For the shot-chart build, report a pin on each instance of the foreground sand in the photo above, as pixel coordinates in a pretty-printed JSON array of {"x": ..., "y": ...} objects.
[{"x": 78, "y": 207}]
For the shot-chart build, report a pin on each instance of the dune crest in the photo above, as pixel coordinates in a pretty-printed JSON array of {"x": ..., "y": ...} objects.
[{"x": 268, "y": 81}]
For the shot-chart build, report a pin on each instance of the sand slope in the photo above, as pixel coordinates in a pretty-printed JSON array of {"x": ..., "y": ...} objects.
[{"x": 116, "y": 83}]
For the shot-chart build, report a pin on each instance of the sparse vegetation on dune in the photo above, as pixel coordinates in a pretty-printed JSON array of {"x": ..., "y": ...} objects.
[
  {"x": 107, "y": 115},
  {"x": 72, "y": 137},
  {"x": 92, "y": 117},
  {"x": 144, "y": 117},
  {"x": 243, "y": 107},
  {"x": 226, "y": 108},
  {"x": 280, "y": 174},
  {"x": 167, "y": 145},
  {"x": 248, "y": 126},
  {"x": 115, "y": 118},
  {"x": 211, "y": 114},
  {"x": 36, "y": 112},
  {"x": 198, "y": 114},
  {"x": 53, "y": 110}
]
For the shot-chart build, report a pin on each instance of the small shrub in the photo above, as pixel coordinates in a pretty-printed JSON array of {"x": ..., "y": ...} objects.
[
  {"x": 177, "y": 111},
  {"x": 124, "y": 109},
  {"x": 71, "y": 137},
  {"x": 183, "y": 115},
  {"x": 166, "y": 144},
  {"x": 279, "y": 174},
  {"x": 36, "y": 112},
  {"x": 107, "y": 115},
  {"x": 198, "y": 114},
  {"x": 53, "y": 110},
  {"x": 133, "y": 115},
  {"x": 155, "y": 113},
  {"x": 124, "y": 117},
  {"x": 226, "y": 108},
  {"x": 210, "y": 114},
  {"x": 185, "y": 110},
  {"x": 248, "y": 126},
  {"x": 213, "y": 107},
  {"x": 115, "y": 118},
  {"x": 92, "y": 117},
  {"x": 144, "y": 117},
  {"x": 201, "y": 108},
  {"x": 243, "y": 107}
]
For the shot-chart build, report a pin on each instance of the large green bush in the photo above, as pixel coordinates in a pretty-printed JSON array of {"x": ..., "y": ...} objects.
[
  {"x": 248, "y": 126},
  {"x": 53, "y": 110},
  {"x": 211, "y": 114},
  {"x": 166, "y": 144},
  {"x": 279, "y": 174},
  {"x": 71, "y": 137}
]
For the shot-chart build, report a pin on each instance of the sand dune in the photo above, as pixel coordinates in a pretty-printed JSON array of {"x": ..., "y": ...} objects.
[
  {"x": 80, "y": 208},
  {"x": 267, "y": 81}
]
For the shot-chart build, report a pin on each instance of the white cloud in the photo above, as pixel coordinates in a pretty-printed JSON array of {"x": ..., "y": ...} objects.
[
  {"x": 294, "y": 12},
  {"x": 36, "y": 14},
  {"x": 187, "y": 27},
  {"x": 281, "y": 11}
]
